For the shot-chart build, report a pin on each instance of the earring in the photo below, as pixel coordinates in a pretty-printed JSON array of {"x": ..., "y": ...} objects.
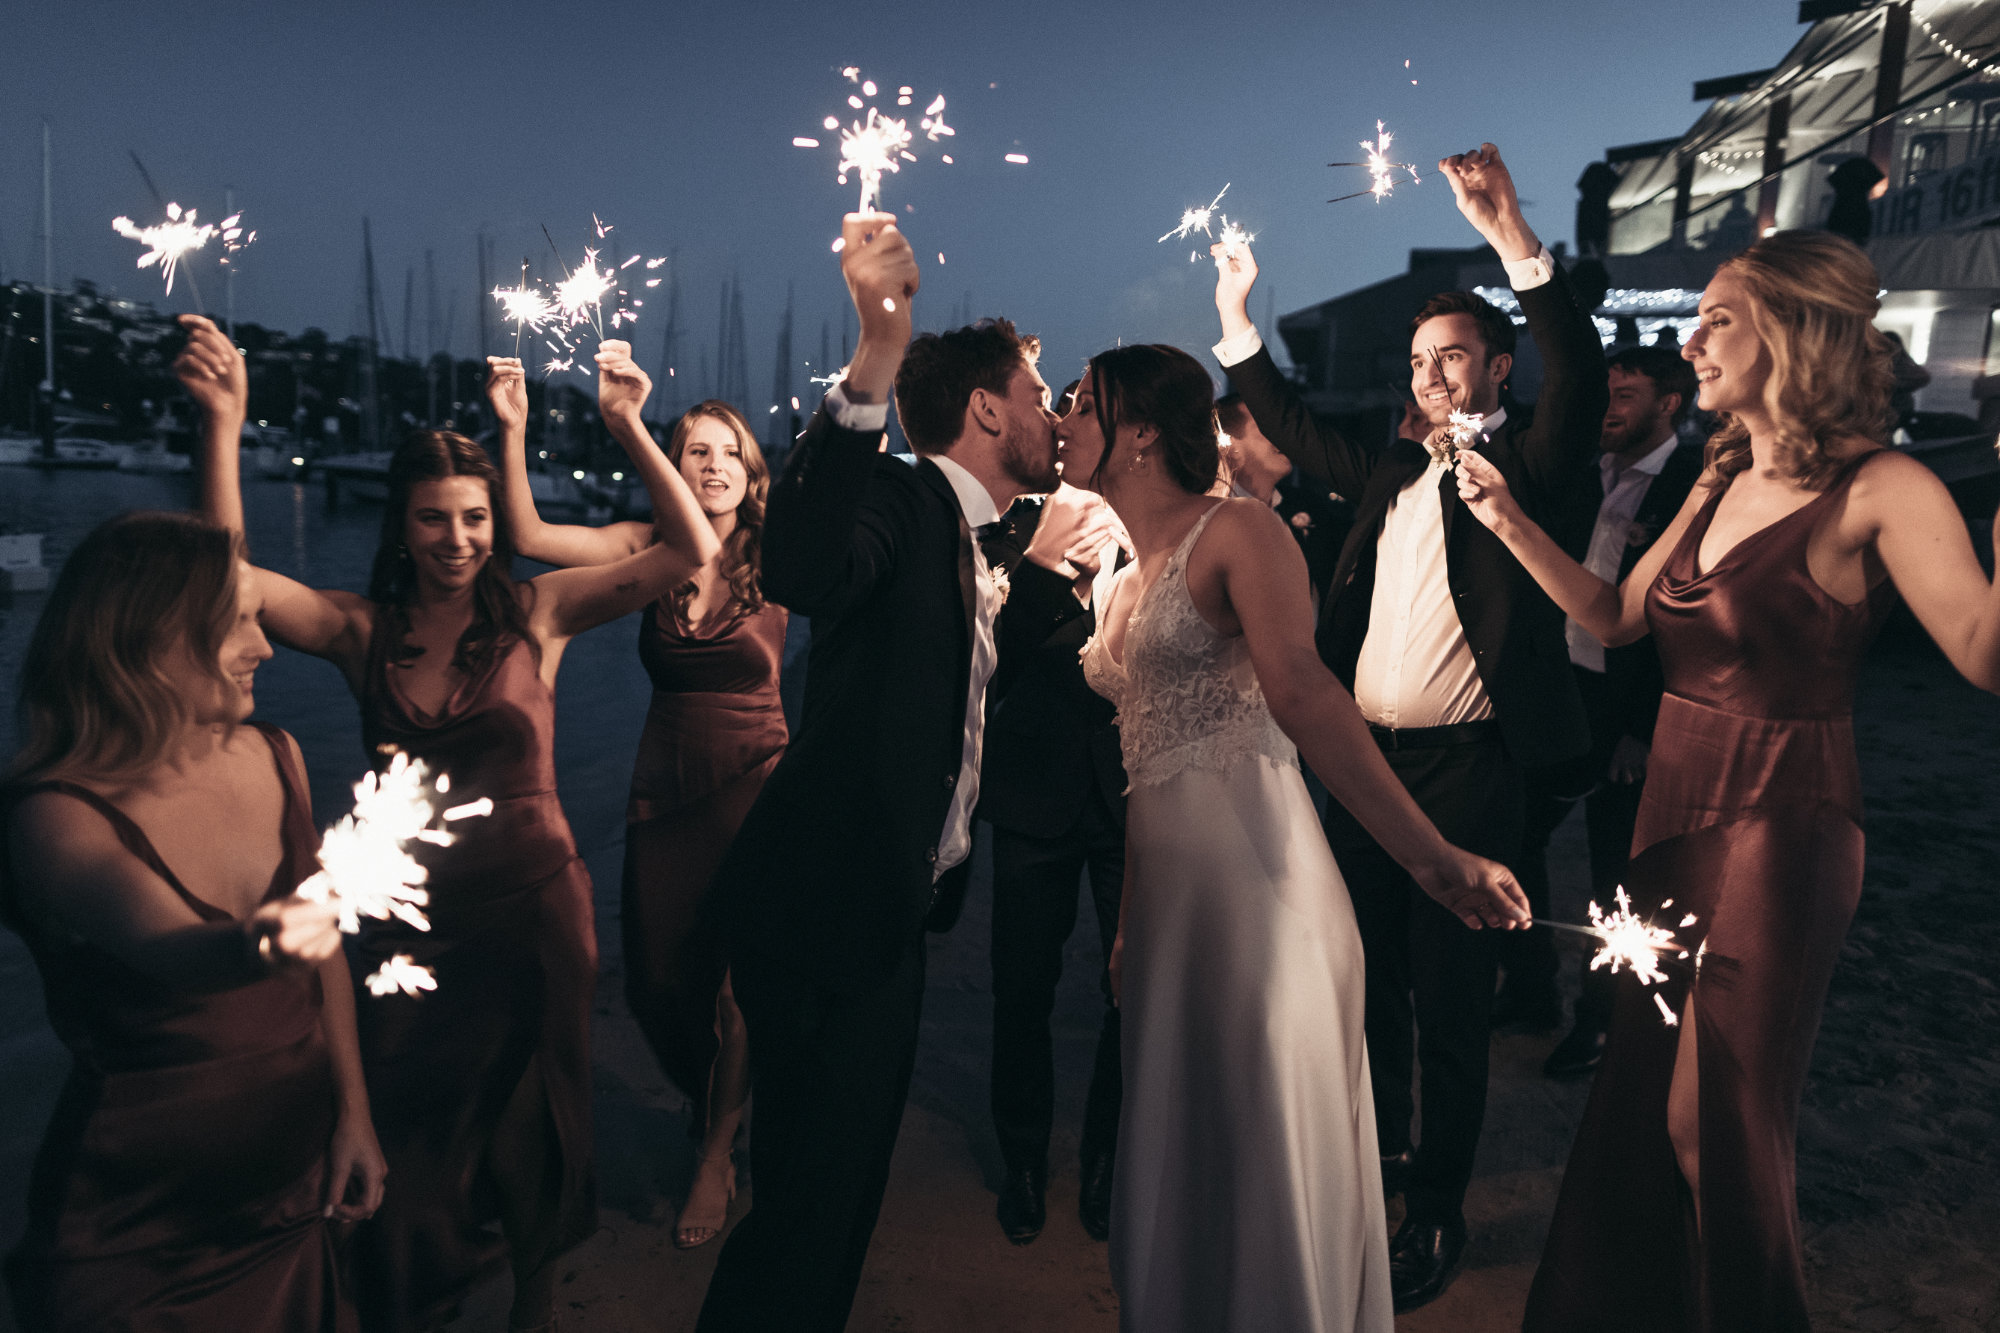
[{"x": 1139, "y": 461}]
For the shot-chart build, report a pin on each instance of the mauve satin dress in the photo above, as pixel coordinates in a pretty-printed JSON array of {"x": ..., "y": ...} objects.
[
  {"x": 1751, "y": 821},
  {"x": 480, "y": 1088},
  {"x": 714, "y": 732},
  {"x": 181, "y": 1180}
]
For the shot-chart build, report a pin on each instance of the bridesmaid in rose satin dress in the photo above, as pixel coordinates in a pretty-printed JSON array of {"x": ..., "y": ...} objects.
[
  {"x": 1678, "y": 1210},
  {"x": 714, "y": 732},
  {"x": 214, "y": 1123},
  {"x": 481, "y": 1088}
]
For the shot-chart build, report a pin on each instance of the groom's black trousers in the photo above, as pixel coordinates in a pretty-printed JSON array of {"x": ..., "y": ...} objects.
[
  {"x": 831, "y": 1074},
  {"x": 1424, "y": 965}
]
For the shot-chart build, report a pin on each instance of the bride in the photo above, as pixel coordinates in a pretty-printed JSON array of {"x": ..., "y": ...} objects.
[{"x": 1248, "y": 1190}]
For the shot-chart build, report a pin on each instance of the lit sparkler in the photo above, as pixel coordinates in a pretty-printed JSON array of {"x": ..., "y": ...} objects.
[
  {"x": 168, "y": 242},
  {"x": 365, "y": 866},
  {"x": 401, "y": 973},
  {"x": 1232, "y": 238},
  {"x": 1195, "y": 219},
  {"x": 1381, "y": 170},
  {"x": 1626, "y": 940},
  {"x": 580, "y": 296},
  {"x": 871, "y": 148}
]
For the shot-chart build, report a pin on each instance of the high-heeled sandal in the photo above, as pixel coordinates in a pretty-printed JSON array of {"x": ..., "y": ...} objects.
[{"x": 689, "y": 1237}]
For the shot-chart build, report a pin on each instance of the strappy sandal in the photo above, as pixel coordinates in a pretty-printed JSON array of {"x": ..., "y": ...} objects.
[{"x": 689, "y": 1236}]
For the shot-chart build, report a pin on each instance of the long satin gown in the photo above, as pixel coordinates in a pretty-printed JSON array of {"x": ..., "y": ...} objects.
[
  {"x": 1751, "y": 822},
  {"x": 480, "y": 1088},
  {"x": 1248, "y": 1189},
  {"x": 713, "y": 734},
  {"x": 181, "y": 1180}
]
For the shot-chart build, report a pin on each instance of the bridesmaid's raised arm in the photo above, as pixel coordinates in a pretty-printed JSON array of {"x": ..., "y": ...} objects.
[
  {"x": 1614, "y": 615},
  {"x": 678, "y": 518},
  {"x": 1900, "y": 506},
  {"x": 332, "y": 624},
  {"x": 561, "y": 544}
]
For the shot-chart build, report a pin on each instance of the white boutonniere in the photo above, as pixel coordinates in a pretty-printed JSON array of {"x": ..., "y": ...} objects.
[
  {"x": 1302, "y": 521},
  {"x": 1002, "y": 585}
]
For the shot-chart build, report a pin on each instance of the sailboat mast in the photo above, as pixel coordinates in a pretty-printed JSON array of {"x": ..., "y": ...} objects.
[
  {"x": 229, "y": 274},
  {"x": 48, "y": 301},
  {"x": 370, "y": 425}
]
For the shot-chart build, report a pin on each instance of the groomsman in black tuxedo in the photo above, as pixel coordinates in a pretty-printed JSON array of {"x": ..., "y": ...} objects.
[
  {"x": 1053, "y": 788},
  {"x": 1319, "y": 520},
  {"x": 1646, "y": 474},
  {"x": 1456, "y": 659},
  {"x": 855, "y": 838}
]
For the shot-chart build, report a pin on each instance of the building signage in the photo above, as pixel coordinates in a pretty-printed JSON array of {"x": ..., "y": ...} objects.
[{"x": 1956, "y": 197}]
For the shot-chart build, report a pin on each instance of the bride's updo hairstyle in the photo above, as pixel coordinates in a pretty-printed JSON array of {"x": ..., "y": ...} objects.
[
  {"x": 1813, "y": 302},
  {"x": 1163, "y": 387}
]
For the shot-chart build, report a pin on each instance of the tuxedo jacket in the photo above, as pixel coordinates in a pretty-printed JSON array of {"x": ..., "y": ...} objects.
[
  {"x": 1633, "y": 671},
  {"x": 1050, "y": 738},
  {"x": 832, "y": 870},
  {"x": 1549, "y": 460},
  {"x": 1318, "y": 523}
]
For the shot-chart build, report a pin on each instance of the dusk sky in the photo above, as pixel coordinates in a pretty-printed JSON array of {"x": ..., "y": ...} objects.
[{"x": 674, "y": 123}]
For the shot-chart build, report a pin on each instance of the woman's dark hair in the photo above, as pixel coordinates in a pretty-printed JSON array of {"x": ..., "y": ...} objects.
[
  {"x": 1163, "y": 387},
  {"x": 497, "y": 612},
  {"x": 742, "y": 559},
  {"x": 94, "y": 701}
]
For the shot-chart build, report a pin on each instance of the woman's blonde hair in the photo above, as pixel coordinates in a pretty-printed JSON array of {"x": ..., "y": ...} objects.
[
  {"x": 95, "y": 699},
  {"x": 742, "y": 558},
  {"x": 1813, "y": 302}
]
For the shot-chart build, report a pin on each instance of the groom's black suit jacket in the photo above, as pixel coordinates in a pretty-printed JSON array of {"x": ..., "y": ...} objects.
[
  {"x": 832, "y": 871},
  {"x": 1515, "y": 631}
]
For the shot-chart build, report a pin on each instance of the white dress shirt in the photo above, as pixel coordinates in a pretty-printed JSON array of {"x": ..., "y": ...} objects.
[
  {"x": 1624, "y": 491},
  {"x": 955, "y": 843},
  {"x": 1416, "y": 668}
]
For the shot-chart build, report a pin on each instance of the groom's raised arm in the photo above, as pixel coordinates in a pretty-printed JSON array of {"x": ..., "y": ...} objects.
[{"x": 830, "y": 535}]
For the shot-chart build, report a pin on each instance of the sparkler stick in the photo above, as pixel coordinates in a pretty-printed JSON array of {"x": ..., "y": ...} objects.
[
  {"x": 365, "y": 867},
  {"x": 1380, "y": 168}
]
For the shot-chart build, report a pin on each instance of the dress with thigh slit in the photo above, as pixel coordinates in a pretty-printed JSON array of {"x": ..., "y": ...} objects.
[
  {"x": 182, "y": 1179},
  {"x": 481, "y": 1087},
  {"x": 1750, "y": 822},
  {"x": 714, "y": 732}
]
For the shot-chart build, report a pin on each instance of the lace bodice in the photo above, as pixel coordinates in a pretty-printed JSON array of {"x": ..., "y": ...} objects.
[{"x": 1187, "y": 697}]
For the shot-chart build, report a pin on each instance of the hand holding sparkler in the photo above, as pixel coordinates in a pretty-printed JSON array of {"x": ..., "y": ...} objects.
[
  {"x": 293, "y": 931},
  {"x": 881, "y": 273},
  {"x": 1235, "y": 275},
  {"x": 1479, "y": 892},
  {"x": 1484, "y": 189},
  {"x": 507, "y": 391},
  {"x": 1485, "y": 491},
  {"x": 211, "y": 370},
  {"x": 622, "y": 387}
]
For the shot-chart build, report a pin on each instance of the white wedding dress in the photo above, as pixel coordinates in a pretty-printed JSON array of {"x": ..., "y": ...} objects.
[{"x": 1248, "y": 1189}]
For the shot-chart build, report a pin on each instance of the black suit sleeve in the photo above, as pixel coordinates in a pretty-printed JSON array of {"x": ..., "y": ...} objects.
[
  {"x": 1557, "y": 447},
  {"x": 830, "y": 533},
  {"x": 1325, "y": 456}
]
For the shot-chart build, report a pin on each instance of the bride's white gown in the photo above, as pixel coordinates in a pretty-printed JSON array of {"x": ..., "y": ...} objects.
[{"x": 1248, "y": 1189}]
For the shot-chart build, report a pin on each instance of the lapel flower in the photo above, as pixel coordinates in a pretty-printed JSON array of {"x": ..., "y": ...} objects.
[
  {"x": 1002, "y": 585},
  {"x": 1303, "y": 521},
  {"x": 1640, "y": 534}
]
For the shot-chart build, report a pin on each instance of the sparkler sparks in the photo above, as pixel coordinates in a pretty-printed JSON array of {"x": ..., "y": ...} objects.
[
  {"x": 168, "y": 242},
  {"x": 580, "y": 296},
  {"x": 1233, "y": 237},
  {"x": 1625, "y": 940},
  {"x": 1195, "y": 219},
  {"x": 365, "y": 866},
  {"x": 1381, "y": 170},
  {"x": 871, "y": 148}
]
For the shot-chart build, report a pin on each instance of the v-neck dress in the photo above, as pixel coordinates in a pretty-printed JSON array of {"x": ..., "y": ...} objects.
[
  {"x": 181, "y": 1181},
  {"x": 713, "y": 734},
  {"x": 498, "y": 1056},
  {"x": 1751, "y": 823}
]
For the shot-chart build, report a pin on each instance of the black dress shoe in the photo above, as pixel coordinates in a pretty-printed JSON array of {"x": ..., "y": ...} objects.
[
  {"x": 1396, "y": 1173},
  {"x": 1422, "y": 1260},
  {"x": 1578, "y": 1053},
  {"x": 1093, "y": 1200},
  {"x": 1539, "y": 1010},
  {"x": 1022, "y": 1208}
]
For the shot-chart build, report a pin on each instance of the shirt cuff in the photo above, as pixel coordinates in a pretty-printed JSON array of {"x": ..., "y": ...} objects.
[
  {"x": 862, "y": 418},
  {"x": 1531, "y": 272},
  {"x": 1239, "y": 347}
]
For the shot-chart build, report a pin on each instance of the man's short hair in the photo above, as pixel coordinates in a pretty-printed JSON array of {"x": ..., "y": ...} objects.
[
  {"x": 940, "y": 371},
  {"x": 1232, "y": 415},
  {"x": 1495, "y": 329},
  {"x": 1666, "y": 368}
]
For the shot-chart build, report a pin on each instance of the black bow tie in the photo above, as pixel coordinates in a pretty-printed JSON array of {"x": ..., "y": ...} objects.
[{"x": 987, "y": 532}]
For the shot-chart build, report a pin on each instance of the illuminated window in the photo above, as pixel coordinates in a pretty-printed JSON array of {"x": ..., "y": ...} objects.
[
  {"x": 1991, "y": 358},
  {"x": 1925, "y": 154}
]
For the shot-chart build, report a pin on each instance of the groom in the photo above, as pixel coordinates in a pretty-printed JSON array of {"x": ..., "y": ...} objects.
[
  {"x": 852, "y": 843},
  {"x": 1457, "y": 661}
]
